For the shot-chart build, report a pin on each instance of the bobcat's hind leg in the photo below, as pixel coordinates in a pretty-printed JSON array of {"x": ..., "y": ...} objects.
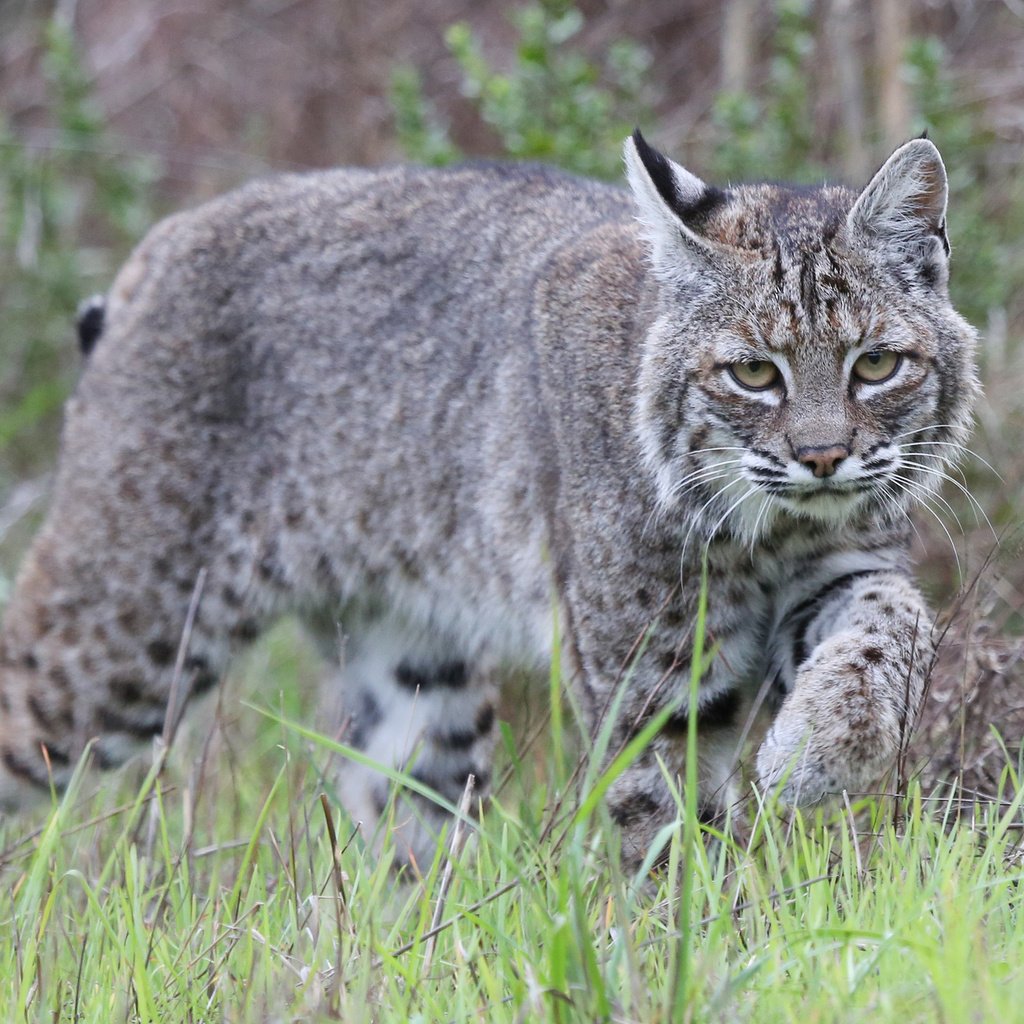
[
  {"x": 90, "y": 639},
  {"x": 409, "y": 702}
]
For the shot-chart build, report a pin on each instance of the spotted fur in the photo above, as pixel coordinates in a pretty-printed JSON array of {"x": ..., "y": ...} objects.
[{"x": 419, "y": 405}]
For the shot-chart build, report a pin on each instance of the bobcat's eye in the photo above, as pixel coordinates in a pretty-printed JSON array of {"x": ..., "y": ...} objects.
[
  {"x": 875, "y": 367},
  {"x": 757, "y": 375}
]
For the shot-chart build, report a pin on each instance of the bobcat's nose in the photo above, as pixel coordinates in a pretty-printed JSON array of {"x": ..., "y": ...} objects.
[{"x": 822, "y": 461}]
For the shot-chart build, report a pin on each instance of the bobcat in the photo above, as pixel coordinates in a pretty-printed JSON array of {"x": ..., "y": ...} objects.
[{"x": 424, "y": 404}]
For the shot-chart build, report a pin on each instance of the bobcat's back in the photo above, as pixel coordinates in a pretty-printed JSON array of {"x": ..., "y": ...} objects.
[{"x": 343, "y": 358}]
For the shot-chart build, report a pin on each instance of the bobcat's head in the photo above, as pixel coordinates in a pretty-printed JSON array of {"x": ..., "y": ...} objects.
[{"x": 806, "y": 359}]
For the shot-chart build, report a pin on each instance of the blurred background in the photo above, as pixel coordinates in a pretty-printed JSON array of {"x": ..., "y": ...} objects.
[{"x": 113, "y": 112}]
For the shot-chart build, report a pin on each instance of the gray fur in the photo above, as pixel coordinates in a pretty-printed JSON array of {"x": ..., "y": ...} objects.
[{"x": 423, "y": 403}]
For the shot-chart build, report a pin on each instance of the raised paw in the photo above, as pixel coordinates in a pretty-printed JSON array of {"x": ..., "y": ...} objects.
[{"x": 839, "y": 729}]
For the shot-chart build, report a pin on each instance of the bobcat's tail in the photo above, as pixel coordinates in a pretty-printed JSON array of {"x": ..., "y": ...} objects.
[{"x": 89, "y": 321}]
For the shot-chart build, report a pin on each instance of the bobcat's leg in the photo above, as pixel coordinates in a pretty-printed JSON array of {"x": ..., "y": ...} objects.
[
  {"x": 410, "y": 703},
  {"x": 91, "y": 637},
  {"x": 641, "y": 802},
  {"x": 864, "y": 649}
]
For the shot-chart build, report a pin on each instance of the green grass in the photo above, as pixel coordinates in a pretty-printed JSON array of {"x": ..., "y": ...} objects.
[{"x": 226, "y": 888}]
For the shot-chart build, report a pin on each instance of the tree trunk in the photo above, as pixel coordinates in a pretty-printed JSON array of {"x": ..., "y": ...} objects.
[
  {"x": 738, "y": 38},
  {"x": 892, "y": 18},
  {"x": 842, "y": 20}
]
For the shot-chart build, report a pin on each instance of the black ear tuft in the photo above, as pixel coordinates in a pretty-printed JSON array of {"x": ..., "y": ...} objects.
[
  {"x": 924, "y": 134},
  {"x": 693, "y": 211},
  {"x": 659, "y": 170},
  {"x": 89, "y": 321}
]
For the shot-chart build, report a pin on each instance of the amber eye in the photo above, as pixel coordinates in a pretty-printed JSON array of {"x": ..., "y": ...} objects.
[
  {"x": 875, "y": 367},
  {"x": 757, "y": 375}
]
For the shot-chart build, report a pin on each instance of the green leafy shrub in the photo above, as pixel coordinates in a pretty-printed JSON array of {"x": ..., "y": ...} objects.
[
  {"x": 772, "y": 135},
  {"x": 70, "y": 205},
  {"x": 553, "y": 104},
  {"x": 986, "y": 214}
]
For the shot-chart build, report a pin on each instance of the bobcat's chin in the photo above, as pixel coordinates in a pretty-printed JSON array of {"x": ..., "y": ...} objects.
[{"x": 833, "y": 506}]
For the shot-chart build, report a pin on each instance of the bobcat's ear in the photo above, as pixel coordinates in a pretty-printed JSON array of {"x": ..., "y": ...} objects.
[
  {"x": 903, "y": 211},
  {"x": 674, "y": 207}
]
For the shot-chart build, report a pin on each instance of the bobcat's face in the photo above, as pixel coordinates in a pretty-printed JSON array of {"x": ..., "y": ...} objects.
[
  {"x": 822, "y": 419},
  {"x": 805, "y": 362}
]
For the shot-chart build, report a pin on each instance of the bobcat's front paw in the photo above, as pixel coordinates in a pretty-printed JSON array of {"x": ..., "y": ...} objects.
[
  {"x": 839, "y": 729},
  {"x": 795, "y": 763}
]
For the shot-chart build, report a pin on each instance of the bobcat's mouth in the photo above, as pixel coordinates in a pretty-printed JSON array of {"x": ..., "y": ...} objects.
[
  {"x": 834, "y": 498},
  {"x": 832, "y": 502}
]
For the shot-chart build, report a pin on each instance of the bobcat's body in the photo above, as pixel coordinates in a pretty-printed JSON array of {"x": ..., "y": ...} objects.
[{"x": 433, "y": 406}]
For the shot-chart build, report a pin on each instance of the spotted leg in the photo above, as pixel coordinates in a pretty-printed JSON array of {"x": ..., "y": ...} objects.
[{"x": 409, "y": 702}]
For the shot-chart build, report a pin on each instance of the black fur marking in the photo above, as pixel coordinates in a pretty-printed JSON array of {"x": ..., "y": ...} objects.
[
  {"x": 694, "y": 214},
  {"x": 711, "y": 815},
  {"x": 799, "y": 650},
  {"x": 32, "y": 771},
  {"x": 673, "y": 415},
  {"x": 126, "y": 689},
  {"x": 196, "y": 663},
  {"x": 639, "y": 807},
  {"x": 368, "y": 714},
  {"x": 105, "y": 759},
  {"x": 809, "y": 287},
  {"x": 57, "y": 757},
  {"x": 717, "y": 713},
  {"x": 818, "y": 599},
  {"x": 160, "y": 652},
  {"x": 804, "y": 612},
  {"x": 204, "y": 681},
  {"x": 245, "y": 630},
  {"x": 50, "y": 720},
  {"x": 113, "y": 721},
  {"x": 778, "y": 271},
  {"x": 720, "y": 711},
  {"x": 484, "y": 722},
  {"x": 765, "y": 454},
  {"x": 450, "y": 674},
  {"x": 458, "y": 739},
  {"x": 90, "y": 320},
  {"x": 451, "y": 786}
]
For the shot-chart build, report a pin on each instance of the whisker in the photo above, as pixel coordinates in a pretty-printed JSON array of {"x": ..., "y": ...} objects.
[
  {"x": 921, "y": 489},
  {"x": 703, "y": 474},
  {"x": 931, "y": 426},
  {"x": 924, "y": 504},
  {"x": 736, "y": 504},
  {"x": 725, "y": 448},
  {"x": 941, "y": 460},
  {"x": 976, "y": 507},
  {"x": 960, "y": 448},
  {"x": 699, "y": 514},
  {"x": 695, "y": 481},
  {"x": 697, "y": 474},
  {"x": 765, "y": 502},
  {"x": 893, "y": 502}
]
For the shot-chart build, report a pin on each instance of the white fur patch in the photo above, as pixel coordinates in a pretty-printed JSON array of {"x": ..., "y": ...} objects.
[{"x": 672, "y": 259}]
